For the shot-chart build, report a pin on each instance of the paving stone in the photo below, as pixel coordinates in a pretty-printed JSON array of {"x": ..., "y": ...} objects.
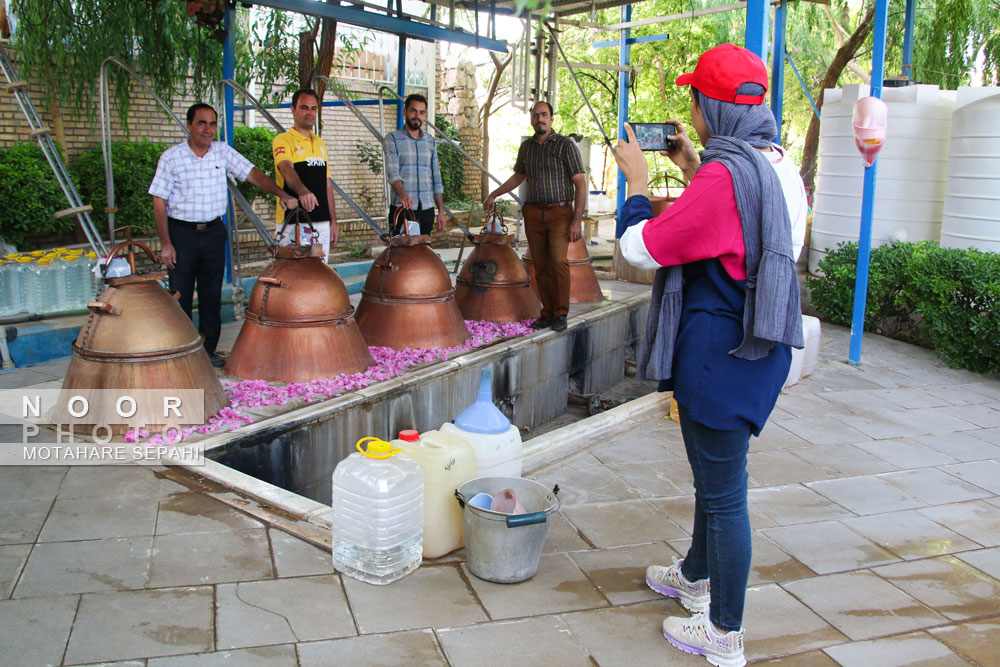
[
  {"x": 976, "y": 520},
  {"x": 946, "y": 584},
  {"x": 558, "y": 586},
  {"x": 915, "y": 398},
  {"x": 623, "y": 522},
  {"x": 585, "y": 482},
  {"x": 983, "y": 416},
  {"x": 198, "y": 513},
  {"x": 296, "y": 558},
  {"x": 562, "y": 536},
  {"x": 775, "y": 623},
  {"x": 781, "y": 467},
  {"x": 984, "y": 474},
  {"x": 810, "y": 659},
  {"x": 30, "y": 482},
  {"x": 912, "y": 649},
  {"x": 843, "y": 460},
  {"x": 12, "y": 560},
  {"x": 771, "y": 565},
  {"x": 976, "y": 640},
  {"x": 987, "y": 387},
  {"x": 656, "y": 479},
  {"x": 262, "y": 656},
  {"x": 866, "y": 495},
  {"x": 811, "y": 544},
  {"x": 823, "y": 430},
  {"x": 35, "y": 631},
  {"x": 902, "y": 423},
  {"x": 97, "y": 518},
  {"x": 909, "y": 534},
  {"x": 62, "y": 568},
  {"x": 620, "y": 574},
  {"x": 905, "y": 453},
  {"x": 935, "y": 487},
  {"x": 123, "y": 480},
  {"x": 862, "y": 605},
  {"x": 630, "y": 636},
  {"x": 859, "y": 401},
  {"x": 966, "y": 394},
  {"x": 435, "y": 596},
  {"x": 793, "y": 503},
  {"x": 987, "y": 560},
  {"x": 198, "y": 558},
  {"x": 544, "y": 640},
  {"x": 965, "y": 446},
  {"x": 21, "y": 520},
  {"x": 842, "y": 381},
  {"x": 278, "y": 611},
  {"x": 635, "y": 446},
  {"x": 776, "y": 437},
  {"x": 141, "y": 624},
  {"x": 399, "y": 648},
  {"x": 988, "y": 435}
]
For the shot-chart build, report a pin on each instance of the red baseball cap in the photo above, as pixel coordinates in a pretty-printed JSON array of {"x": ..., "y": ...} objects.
[{"x": 722, "y": 70}]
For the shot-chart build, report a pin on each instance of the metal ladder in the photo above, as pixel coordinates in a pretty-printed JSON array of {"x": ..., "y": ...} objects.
[{"x": 43, "y": 135}]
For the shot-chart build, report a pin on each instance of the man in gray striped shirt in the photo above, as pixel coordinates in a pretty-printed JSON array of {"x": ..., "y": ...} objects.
[
  {"x": 413, "y": 170},
  {"x": 553, "y": 210}
]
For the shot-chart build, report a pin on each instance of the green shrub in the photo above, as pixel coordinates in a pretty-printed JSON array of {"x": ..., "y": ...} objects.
[
  {"x": 948, "y": 298},
  {"x": 31, "y": 195},
  {"x": 833, "y": 294},
  {"x": 452, "y": 163},
  {"x": 254, "y": 143},
  {"x": 134, "y": 164},
  {"x": 957, "y": 292}
]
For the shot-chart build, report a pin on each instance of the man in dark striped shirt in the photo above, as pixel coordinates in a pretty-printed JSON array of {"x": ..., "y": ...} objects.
[{"x": 553, "y": 210}]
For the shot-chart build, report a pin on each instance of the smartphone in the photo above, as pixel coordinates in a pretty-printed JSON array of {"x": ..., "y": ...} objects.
[{"x": 653, "y": 136}]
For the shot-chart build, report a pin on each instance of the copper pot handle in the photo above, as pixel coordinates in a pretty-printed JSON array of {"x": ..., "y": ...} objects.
[
  {"x": 495, "y": 215},
  {"x": 271, "y": 280},
  {"x": 104, "y": 307},
  {"x": 410, "y": 215},
  {"x": 295, "y": 214}
]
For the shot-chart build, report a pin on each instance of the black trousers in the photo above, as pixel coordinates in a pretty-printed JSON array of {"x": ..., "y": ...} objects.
[
  {"x": 201, "y": 261},
  {"x": 425, "y": 216}
]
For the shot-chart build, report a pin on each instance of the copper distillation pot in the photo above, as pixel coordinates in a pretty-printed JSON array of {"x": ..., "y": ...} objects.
[
  {"x": 138, "y": 337},
  {"x": 494, "y": 285},
  {"x": 299, "y": 323},
  {"x": 408, "y": 299},
  {"x": 583, "y": 285}
]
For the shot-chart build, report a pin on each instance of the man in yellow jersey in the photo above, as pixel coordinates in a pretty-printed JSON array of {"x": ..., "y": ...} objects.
[{"x": 302, "y": 169}]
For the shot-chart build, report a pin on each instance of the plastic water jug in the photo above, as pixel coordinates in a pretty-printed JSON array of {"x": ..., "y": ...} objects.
[
  {"x": 494, "y": 440},
  {"x": 447, "y": 462},
  {"x": 378, "y": 514},
  {"x": 41, "y": 286},
  {"x": 11, "y": 287}
]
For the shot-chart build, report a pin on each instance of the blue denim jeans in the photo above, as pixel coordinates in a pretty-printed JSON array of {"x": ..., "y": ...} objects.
[{"x": 720, "y": 541}]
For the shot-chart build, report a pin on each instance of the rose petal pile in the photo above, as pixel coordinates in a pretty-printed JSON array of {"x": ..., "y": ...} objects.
[{"x": 389, "y": 363}]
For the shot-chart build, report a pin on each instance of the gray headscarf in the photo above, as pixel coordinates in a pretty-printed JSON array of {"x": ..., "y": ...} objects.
[{"x": 772, "y": 310}]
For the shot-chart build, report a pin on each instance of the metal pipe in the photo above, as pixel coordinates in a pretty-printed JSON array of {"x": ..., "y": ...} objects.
[
  {"x": 908, "y": 39},
  {"x": 868, "y": 196},
  {"x": 624, "y": 59},
  {"x": 778, "y": 67},
  {"x": 578, "y": 86},
  {"x": 360, "y": 211}
]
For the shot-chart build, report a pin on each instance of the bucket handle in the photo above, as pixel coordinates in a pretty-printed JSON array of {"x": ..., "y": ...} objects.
[{"x": 515, "y": 520}]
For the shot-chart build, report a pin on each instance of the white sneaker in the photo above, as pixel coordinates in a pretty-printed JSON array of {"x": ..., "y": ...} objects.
[
  {"x": 697, "y": 635},
  {"x": 669, "y": 581}
]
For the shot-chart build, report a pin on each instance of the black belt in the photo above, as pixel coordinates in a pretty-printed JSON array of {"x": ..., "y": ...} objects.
[
  {"x": 555, "y": 204},
  {"x": 197, "y": 226}
]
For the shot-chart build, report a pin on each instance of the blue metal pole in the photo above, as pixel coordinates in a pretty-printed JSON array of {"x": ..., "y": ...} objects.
[
  {"x": 868, "y": 198},
  {"x": 778, "y": 67},
  {"x": 755, "y": 37},
  {"x": 401, "y": 81},
  {"x": 908, "y": 39},
  {"x": 805, "y": 89},
  {"x": 228, "y": 72},
  {"x": 624, "y": 60}
]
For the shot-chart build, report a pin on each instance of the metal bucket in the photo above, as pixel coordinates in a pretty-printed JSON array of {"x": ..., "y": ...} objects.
[{"x": 505, "y": 548}]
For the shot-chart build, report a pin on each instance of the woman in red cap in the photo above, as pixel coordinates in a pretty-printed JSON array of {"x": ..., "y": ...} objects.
[{"x": 723, "y": 316}]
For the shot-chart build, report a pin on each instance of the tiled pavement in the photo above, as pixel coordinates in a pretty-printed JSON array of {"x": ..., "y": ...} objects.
[{"x": 876, "y": 523}]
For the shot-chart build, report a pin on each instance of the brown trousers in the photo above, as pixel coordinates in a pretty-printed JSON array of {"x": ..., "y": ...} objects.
[{"x": 545, "y": 227}]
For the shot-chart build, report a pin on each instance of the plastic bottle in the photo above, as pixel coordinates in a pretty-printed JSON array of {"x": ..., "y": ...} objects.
[
  {"x": 495, "y": 441},
  {"x": 447, "y": 462},
  {"x": 8, "y": 289},
  {"x": 378, "y": 514},
  {"x": 41, "y": 286},
  {"x": 65, "y": 282}
]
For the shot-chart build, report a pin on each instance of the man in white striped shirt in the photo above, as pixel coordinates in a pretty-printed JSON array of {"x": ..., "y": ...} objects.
[{"x": 189, "y": 199}]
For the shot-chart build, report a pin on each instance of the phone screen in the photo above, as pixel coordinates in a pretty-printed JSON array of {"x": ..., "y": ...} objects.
[{"x": 653, "y": 136}]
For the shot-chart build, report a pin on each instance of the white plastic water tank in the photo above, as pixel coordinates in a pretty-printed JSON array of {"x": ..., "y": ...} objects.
[
  {"x": 912, "y": 167},
  {"x": 971, "y": 217}
]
